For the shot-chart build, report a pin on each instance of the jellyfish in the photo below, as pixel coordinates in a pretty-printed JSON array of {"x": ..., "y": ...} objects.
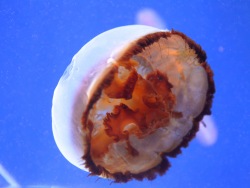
[
  {"x": 131, "y": 98},
  {"x": 148, "y": 16},
  {"x": 208, "y": 133}
]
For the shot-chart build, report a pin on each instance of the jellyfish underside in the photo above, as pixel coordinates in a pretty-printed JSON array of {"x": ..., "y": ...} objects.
[{"x": 145, "y": 106}]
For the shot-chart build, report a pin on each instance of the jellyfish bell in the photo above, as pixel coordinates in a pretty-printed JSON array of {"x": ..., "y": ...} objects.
[
  {"x": 131, "y": 98},
  {"x": 70, "y": 96}
]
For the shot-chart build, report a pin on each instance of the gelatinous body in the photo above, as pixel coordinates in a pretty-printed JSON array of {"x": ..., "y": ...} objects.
[
  {"x": 208, "y": 133},
  {"x": 148, "y": 16},
  {"x": 138, "y": 103}
]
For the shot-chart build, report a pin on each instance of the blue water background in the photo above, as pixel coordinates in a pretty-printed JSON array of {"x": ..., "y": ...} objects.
[{"x": 38, "y": 40}]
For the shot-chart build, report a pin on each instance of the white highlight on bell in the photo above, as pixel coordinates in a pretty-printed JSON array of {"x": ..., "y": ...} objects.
[{"x": 207, "y": 134}]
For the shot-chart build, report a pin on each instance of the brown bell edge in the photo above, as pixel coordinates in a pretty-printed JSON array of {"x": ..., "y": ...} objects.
[{"x": 162, "y": 167}]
